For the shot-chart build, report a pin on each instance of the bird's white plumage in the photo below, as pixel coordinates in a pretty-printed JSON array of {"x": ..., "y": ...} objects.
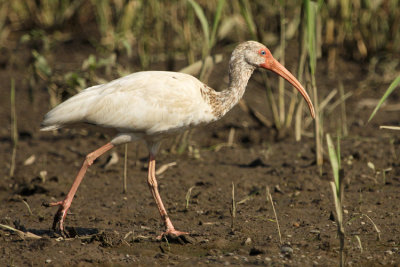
[{"x": 150, "y": 102}]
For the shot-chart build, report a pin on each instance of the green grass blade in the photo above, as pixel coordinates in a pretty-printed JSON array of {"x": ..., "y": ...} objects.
[
  {"x": 311, "y": 13},
  {"x": 338, "y": 204},
  {"x": 338, "y": 151},
  {"x": 334, "y": 161},
  {"x": 391, "y": 88},
  {"x": 13, "y": 114},
  {"x": 217, "y": 19},
  {"x": 248, "y": 17},
  {"x": 14, "y": 129},
  {"x": 203, "y": 20}
]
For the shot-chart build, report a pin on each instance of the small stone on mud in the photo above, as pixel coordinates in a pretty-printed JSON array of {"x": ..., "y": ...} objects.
[
  {"x": 204, "y": 241},
  {"x": 222, "y": 243},
  {"x": 214, "y": 252},
  {"x": 48, "y": 261},
  {"x": 388, "y": 252},
  {"x": 286, "y": 250},
  {"x": 160, "y": 255},
  {"x": 248, "y": 241},
  {"x": 43, "y": 175},
  {"x": 30, "y": 160}
]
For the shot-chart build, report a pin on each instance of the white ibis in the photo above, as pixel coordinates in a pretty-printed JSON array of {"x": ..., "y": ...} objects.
[{"x": 152, "y": 104}]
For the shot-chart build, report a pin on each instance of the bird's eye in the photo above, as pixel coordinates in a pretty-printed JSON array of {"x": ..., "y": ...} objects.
[{"x": 263, "y": 52}]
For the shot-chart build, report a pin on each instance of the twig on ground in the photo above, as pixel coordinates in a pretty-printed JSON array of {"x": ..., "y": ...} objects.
[
  {"x": 269, "y": 196},
  {"x": 21, "y": 234}
]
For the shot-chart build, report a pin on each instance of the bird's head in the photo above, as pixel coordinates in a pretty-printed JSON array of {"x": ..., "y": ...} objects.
[{"x": 259, "y": 56}]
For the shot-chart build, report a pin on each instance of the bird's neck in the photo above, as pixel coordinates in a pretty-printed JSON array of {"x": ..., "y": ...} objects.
[{"x": 239, "y": 74}]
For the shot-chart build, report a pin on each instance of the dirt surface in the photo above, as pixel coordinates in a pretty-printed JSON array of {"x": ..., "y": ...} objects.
[{"x": 109, "y": 228}]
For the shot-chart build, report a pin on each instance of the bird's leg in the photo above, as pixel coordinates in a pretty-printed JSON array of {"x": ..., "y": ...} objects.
[
  {"x": 64, "y": 205},
  {"x": 152, "y": 182}
]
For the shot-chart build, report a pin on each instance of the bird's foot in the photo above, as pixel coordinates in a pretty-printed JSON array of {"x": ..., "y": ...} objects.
[
  {"x": 60, "y": 216},
  {"x": 175, "y": 236}
]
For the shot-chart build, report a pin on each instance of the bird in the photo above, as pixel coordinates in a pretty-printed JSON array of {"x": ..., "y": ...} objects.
[{"x": 150, "y": 105}]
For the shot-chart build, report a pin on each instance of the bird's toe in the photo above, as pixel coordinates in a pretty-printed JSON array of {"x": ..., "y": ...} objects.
[{"x": 175, "y": 236}]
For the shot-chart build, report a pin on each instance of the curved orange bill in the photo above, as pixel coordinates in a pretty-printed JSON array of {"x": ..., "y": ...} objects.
[{"x": 279, "y": 69}]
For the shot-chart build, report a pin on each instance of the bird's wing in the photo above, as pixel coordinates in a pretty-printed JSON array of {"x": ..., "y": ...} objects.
[{"x": 150, "y": 102}]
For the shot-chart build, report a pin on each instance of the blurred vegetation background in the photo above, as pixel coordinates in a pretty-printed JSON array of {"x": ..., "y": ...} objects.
[
  {"x": 118, "y": 37},
  {"x": 167, "y": 32}
]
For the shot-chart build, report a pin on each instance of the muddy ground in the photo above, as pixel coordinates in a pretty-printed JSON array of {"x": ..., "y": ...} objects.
[{"x": 109, "y": 228}]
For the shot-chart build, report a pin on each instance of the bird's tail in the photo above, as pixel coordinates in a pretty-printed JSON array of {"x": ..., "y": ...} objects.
[
  {"x": 49, "y": 128},
  {"x": 66, "y": 113},
  {"x": 71, "y": 111}
]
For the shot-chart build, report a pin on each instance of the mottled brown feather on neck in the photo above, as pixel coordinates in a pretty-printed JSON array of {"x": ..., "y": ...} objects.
[{"x": 239, "y": 74}]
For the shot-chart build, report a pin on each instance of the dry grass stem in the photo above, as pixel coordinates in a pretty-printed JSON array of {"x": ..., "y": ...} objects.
[
  {"x": 359, "y": 243},
  {"x": 229, "y": 143},
  {"x": 375, "y": 226},
  {"x": 22, "y": 235},
  {"x": 318, "y": 130},
  {"x": 188, "y": 194},
  {"x": 231, "y": 136},
  {"x": 324, "y": 103},
  {"x": 298, "y": 122},
  {"x": 244, "y": 200},
  {"x": 282, "y": 60},
  {"x": 125, "y": 186},
  {"x": 329, "y": 109},
  {"x": 14, "y": 129},
  {"x": 195, "y": 68},
  {"x": 261, "y": 118},
  {"x": 163, "y": 168},
  {"x": 233, "y": 208},
  {"x": 28, "y": 207},
  {"x": 345, "y": 130},
  {"x": 269, "y": 197},
  {"x": 387, "y": 127}
]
